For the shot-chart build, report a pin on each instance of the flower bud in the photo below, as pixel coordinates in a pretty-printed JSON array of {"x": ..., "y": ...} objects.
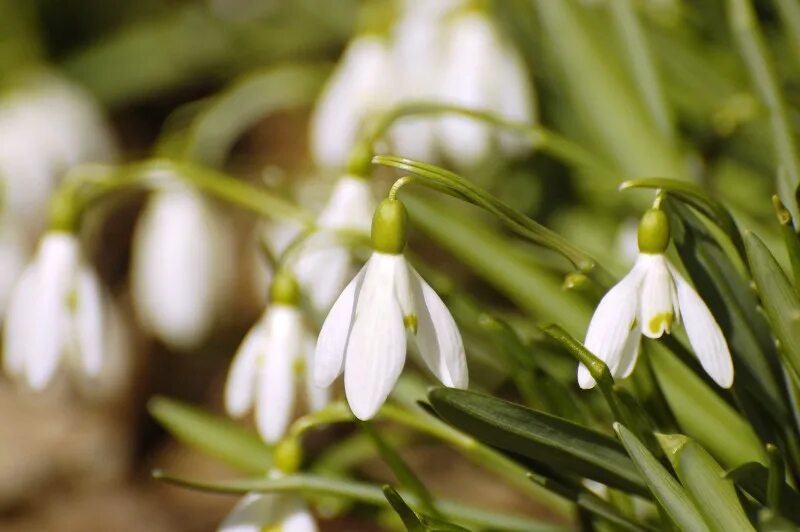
[
  {"x": 284, "y": 289},
  {"x": 654, "y": 232},
  {"x": 288, "y": 456},
  {"x": 390, "y": 227}
]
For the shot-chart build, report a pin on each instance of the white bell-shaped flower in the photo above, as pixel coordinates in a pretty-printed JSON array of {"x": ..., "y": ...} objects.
[
  {"x": 361, "y": 84},
  {"x": 324, "y": 266},
  {"x": 260, "y": 512},
  {"x": 365, "y": 331},
  {"x": 264, "y": 370},
  {"x": 650, "y": 300},
  {"x": 481, "y": 71},
  {"x": 56, "y": 310},
  {"x": 180, "y": 271}
]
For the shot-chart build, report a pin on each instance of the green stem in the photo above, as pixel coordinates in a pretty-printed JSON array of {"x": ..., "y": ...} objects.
[
  {"x": 789, "y": 11},
  {"x": 366, "y": 493},
  {"x": 754, "y": 52}
]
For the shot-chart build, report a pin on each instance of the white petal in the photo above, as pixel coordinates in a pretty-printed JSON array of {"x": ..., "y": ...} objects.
[
  {"x": 438, "y": 337},
  {"x": 332, "y": 340},
  {"x": 628, "y": 356},
  {"x": 323, "y": 272},
  {"x": 297, "y": 518},
  {"x": 376, "y": 348},
  {"x": 514, "y": 96},
  {"x": 657, "y": 299},
  {"x": 612, "y": 322},
  {"x": 241, "y": 381},
  {"x": 20, "y": 323},
  {"x": 350, "y": 206},
  {"x": 89, "y": 322},
  {"x": 13, "y": 257},
  {"x": 276, "y": 380},
  {"x": 318, "y": 397},
  {"x": 403, "y": 284},
  {"x": 253, "y": 513},
  {"x": 57, "y": 262},
  {"x": 704, "y": 333},
  {"x": 178, "y": 268}
]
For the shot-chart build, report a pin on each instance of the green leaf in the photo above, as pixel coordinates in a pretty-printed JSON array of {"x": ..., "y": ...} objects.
[
  {"x": 753, "y": 478},
  {"x": 717, "y": 426},
  {"x": 696, "y": 197},
  {"x": 542, "y": 437},
  {"x": 665, "y": 488},
  {"x": 215, "y": 436},
  {"x": 778, "y": 298},
  {"x": 406, "y": 514},
  {"x": 734, "y": 306},
  {"x": 702, "y": 477},
  {"x": 791, "y": 239},
  {"x": 368, "y": 494},
  {"x": 213, "y": 133}
]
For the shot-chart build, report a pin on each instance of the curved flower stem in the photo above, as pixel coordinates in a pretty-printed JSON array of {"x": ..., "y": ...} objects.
[
  {"x": 539, "y": 137},
  {"x": 90, "y": 184},
  {"x": 366, "y": 493},
  {"x": 469, "y": 447}
]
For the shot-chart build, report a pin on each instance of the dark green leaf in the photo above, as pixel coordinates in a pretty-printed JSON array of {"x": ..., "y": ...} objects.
[
  {"x": 406, "y": 514},
  {"x": 753, "y": 478},
  {"x": 544, "y": 438}
]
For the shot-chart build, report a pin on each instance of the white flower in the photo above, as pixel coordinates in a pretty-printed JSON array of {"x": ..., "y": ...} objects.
[
  {"x": 650, "y": 300},
  {"x": 180, "y": 271},
  {"x": 259, "y": 512},
  {"x": 361, "y": 84},
  {"x": 364, "y": 334},
  {"x": 14, "y": 252},
  {"x": 481, "y": 71},
  {"x": 324, "y": 266},
  {"x": 263, "y": 372},
  {"x": 56, "y": 309}
]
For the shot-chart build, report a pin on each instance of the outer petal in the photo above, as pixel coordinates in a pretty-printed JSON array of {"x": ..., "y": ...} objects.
[
  {"x": 323, "y": 272},
  {"x": 241, "y": 382},
  {"x": 317, "y": 396},
  {"x": 88, "y": 322},
  {"x": 376, "y": 349},
  {"x": 704, "y": 334},
  {"x": 297, "y": 518},
  {"x": 253, "y": 513},
  {"x": 350, "y": 206},
  {"x": 657, "y": 300},
  {"x": 20, "y": 322},
  {"x": 438, "y": 338},
  {"x": 332, "y": 340},
  {"x": 275, "y": 395},
  {"x": 612, "y": 322},
  {"x": 57, "y": 262}
]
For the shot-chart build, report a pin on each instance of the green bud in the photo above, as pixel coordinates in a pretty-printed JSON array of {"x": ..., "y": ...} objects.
[
  {"x": 359, "y": 163},
  {"x": 288, "y": 455},
  {"x": 389, "y": 227},
  {"x": 284, "y": 288},
  {"x": 653, "y": 232}
]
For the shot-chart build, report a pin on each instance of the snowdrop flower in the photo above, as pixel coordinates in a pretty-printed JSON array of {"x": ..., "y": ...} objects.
[
  {"x": 651, "y": 299},
  {"x": 179, "y": 266},
  {"x": 262, "y": 375},
  {"x": 361, "y": 84},
  {"x": 365, "y": 331},
  {"x": 55, "y": 311},
  {"x": 324, "y": 267},
  {"x": 260, "y": 512},
  {"x": 481, "y": 71}
]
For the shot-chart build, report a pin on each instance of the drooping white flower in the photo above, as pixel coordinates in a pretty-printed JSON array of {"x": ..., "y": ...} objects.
[
  {"x": 180, "y": 265},
  {"x": 650, "y": 300},
  {"x": 259, "y": 512},
  {"x": 360, "y": 85},
  {"x": 365, "y": 331},
  {"x": 324, "y": 266},
  {"x": 56, "y": 310},
  {"x": 264, "y": 370},
  {"x": 481, "y": 71}
]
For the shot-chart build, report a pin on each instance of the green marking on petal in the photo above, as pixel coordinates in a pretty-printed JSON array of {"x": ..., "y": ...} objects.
[
  {"x": 299, "y": 366},
  {"x": 662, "y": 318},
  {"x": 410, "y": 322},
  {"x": 272, "y": 528},
  {"x": 72, "y": 301}
]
